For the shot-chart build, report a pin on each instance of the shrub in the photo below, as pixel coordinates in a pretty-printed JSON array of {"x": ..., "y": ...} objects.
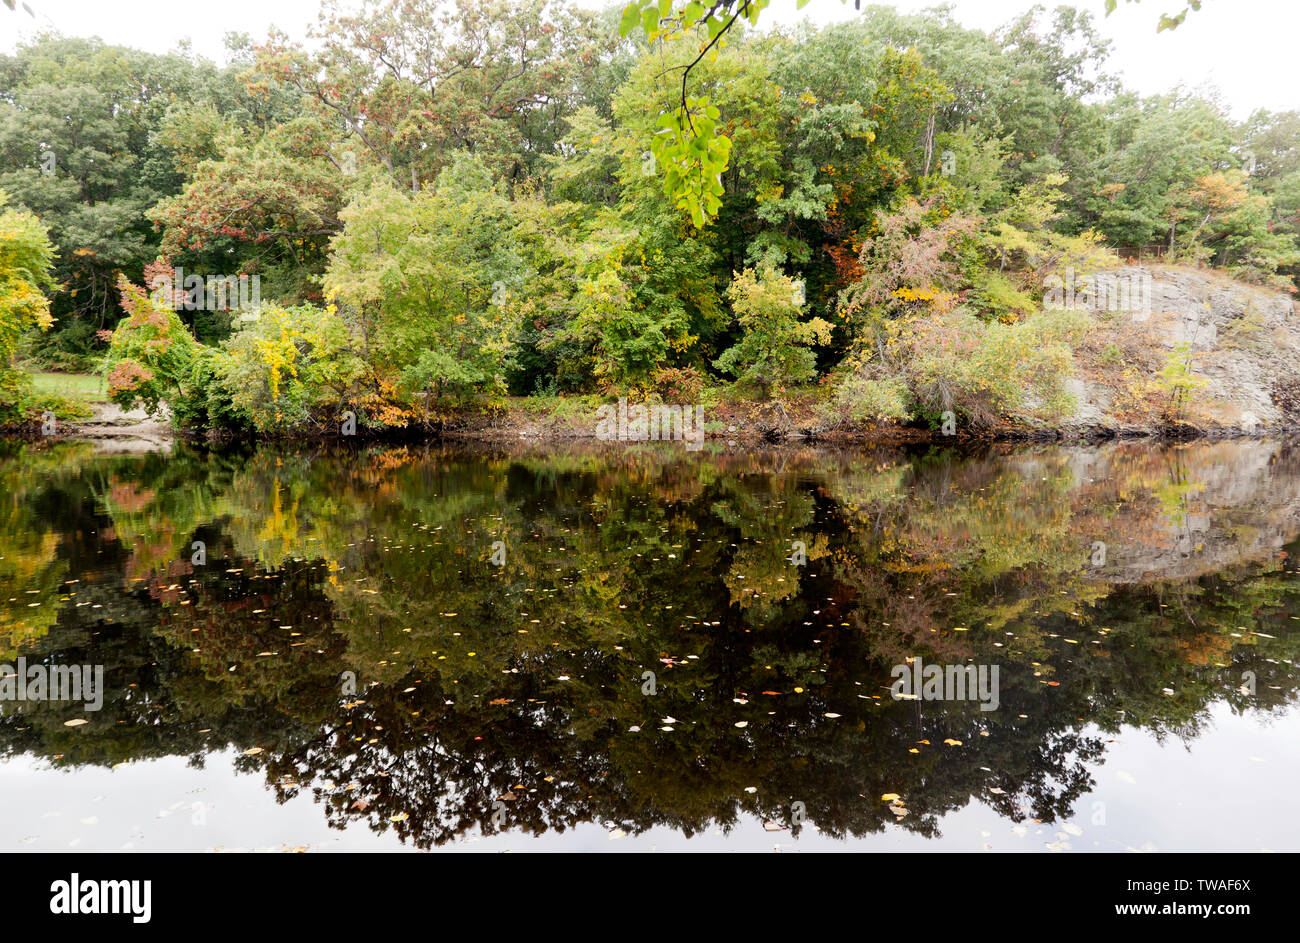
[
  {"x": 26, "y": 256},
  {"x": 774, "y": 350},
  {"x": 990, "y": 371},
  {"x": 1178, "y": 383},
  {"x": 867, "y": 399},
  {"x": 678, "y": 384},
  {"x": 151, "y": 353},
  {"x": 204, "y": 401},
  {"x": 16, "y": 403},
  {"x": 981, "y": 371},
  {"x": 282, "y": 367}
]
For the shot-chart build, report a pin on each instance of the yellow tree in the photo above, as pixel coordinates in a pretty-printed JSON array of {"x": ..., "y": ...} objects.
[{"x": 26, "y": 257}]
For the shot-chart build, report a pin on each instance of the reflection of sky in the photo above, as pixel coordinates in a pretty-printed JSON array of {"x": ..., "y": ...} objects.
[{"x": 1234, "y": 788}]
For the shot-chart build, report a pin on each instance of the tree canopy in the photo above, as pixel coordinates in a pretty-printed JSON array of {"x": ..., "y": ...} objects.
[{"x": 480, "y": 198}]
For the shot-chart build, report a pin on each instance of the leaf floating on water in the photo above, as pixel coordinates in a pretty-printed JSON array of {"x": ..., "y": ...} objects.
[
  {"x": 399, "y": 817},
  {"x": 75, "y": 723},
  {"x": 742, "y": 723},
  {"x": 831, "y": 715},
  {"x": 889, "y": 797},
  {"x": 952, "y": 743},
  {"x": 253, "y": 751}
]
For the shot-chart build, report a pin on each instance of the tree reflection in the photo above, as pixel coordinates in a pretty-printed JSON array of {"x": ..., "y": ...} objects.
[{"x": 516, "y": 696}]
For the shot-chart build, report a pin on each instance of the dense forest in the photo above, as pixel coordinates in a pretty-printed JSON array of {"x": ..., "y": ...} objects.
[{"x": 440, "y": 203}]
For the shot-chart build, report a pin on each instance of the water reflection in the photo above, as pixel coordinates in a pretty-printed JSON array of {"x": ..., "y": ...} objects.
[{"x": 663, "y": 638}]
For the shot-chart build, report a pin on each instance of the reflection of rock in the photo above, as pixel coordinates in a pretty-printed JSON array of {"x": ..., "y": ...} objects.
[
  {"x": 1192, "y": 510},
  {"x": 112, "y": 429}
]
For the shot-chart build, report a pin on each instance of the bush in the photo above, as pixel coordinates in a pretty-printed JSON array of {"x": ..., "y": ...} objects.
[
  {"x": 151, "y": 354},
  {"x": 678, "y": 384},
  {"x": 986, "y": 372},
  {"x": 866, "y": 399},
  {"x": 774, "y": 350},
  {"x": 15, "y": 397},
  {"x": 283, "y": 367},
  {"x": 203, "y": 401},
  {"x": 981, "y": 371},
  {"x": 26, "y": 257}
]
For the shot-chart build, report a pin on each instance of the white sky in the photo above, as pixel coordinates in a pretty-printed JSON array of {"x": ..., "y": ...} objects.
[{"x": 1245, "y": 48}]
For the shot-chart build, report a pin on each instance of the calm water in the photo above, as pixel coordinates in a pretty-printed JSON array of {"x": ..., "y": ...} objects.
[{"x": 622, "y": 649}]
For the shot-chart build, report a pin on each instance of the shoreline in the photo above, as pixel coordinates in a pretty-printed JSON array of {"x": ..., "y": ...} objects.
[{"x": 145, "y": 435}]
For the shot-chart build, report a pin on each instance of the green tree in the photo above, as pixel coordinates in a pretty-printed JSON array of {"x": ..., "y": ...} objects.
[
  {"x": 26, "y": 262},
  {"x": 422, "y": 279},
  {"x": 774, "y": 350}
]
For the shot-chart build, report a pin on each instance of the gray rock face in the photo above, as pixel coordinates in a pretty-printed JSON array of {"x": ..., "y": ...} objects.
[{"x": 1243, "y": 341}]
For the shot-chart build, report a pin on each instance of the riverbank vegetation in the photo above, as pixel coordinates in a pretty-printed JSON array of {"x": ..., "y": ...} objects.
[{"x": 446, "y": 202}]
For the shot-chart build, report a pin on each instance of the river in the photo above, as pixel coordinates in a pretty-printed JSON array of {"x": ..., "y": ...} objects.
[{"x": 600, "y": 647}]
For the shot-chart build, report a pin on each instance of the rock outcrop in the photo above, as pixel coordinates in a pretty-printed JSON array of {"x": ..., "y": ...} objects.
[{"x": 1241, "y": 341}]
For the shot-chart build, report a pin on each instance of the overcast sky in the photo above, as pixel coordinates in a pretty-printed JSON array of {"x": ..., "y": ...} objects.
[{"x": 1245, "y": 48}]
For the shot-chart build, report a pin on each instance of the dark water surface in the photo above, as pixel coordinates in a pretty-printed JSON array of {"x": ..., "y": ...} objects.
[{"x": 449, "y": 649}]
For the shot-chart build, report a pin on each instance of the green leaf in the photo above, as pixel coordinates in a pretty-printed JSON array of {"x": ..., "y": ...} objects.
[{"x": 631, "y": 16}]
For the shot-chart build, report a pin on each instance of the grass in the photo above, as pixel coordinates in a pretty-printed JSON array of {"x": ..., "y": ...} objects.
[{"x": 87, "y": 387}]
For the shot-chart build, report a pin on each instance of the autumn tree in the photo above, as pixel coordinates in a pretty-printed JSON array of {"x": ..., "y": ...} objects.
[
  {"x": 775, "y": 348},
  {"x": 26, "y": 262}
]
